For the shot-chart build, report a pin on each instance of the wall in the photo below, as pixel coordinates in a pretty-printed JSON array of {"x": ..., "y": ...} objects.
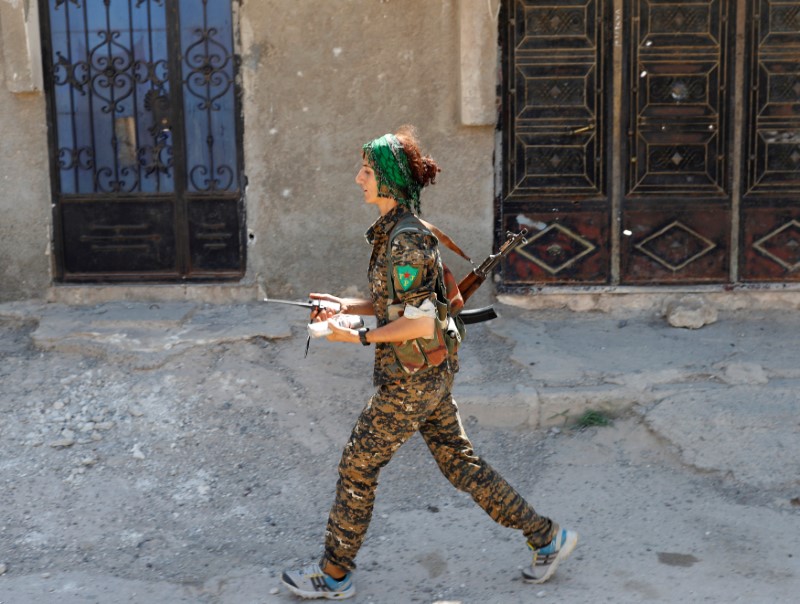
[
  {"x": 320, "y": 79},
  {"x": 24, "y": 171}
]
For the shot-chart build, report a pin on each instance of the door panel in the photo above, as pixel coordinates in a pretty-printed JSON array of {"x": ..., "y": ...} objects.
[
  {"x": 676, "y": 208},
  {"x": 555, "y": 130},
  {"x": 209, "y": 102},
  {"x": 105, "y": 236},
  {"x": 214, "y": 234},
  {"x": 105, "y": 65},
  {"x": 145, "y": 139},
  {"x": 771, "y": 243},
  {"x": 770, "y": 230},
  {"x": 687, "y": 243},
  {"x": 561, "y": 250}
]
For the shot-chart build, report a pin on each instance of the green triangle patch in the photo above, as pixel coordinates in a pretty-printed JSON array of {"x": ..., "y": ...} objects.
[{"x": 406, "y": 275}]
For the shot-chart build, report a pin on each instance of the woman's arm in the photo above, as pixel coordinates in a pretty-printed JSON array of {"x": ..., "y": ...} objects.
[
  {"x": 397, "y": 331},
  {"x": 357, "y": 306},
  {"x": 348, "y": 306}
]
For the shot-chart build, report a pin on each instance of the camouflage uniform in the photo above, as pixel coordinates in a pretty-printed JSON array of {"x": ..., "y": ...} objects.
[{"x": 406, "y": 403}]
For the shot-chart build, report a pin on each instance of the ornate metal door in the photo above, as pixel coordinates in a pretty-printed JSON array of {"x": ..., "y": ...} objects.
[
  {"x": 638, "y": 151},
  {"x": 676, "y": 208},
  {"x": 770, "y": 223},
  {"x": 145, "y": 137},
  {"x": 555, "y": 135}
]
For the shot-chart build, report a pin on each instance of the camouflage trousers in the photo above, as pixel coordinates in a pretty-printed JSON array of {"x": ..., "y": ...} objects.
[{"x": 390, "y": 418}]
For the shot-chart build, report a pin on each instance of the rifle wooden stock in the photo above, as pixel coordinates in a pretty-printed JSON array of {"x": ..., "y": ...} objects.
[{"x": 470, "y": 284}]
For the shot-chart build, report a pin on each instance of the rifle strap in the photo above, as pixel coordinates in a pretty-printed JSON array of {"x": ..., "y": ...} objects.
[{"x": 442, "y": 236}]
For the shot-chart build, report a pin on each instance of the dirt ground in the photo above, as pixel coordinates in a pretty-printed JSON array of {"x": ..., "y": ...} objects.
[{"x": 196, "y": 477}]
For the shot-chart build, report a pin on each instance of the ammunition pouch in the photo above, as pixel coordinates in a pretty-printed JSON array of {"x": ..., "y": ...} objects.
[{"x": 422, "y": 353}]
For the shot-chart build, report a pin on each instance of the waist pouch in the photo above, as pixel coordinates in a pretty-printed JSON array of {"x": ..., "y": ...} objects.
[{"x": 419, "y": 354}]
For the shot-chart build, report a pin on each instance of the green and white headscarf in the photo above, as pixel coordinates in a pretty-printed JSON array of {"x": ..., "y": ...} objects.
[{"x": 392, "y": 171}]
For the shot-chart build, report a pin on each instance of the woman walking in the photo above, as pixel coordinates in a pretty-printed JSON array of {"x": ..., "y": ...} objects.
[{"x": 413, "y": 373}]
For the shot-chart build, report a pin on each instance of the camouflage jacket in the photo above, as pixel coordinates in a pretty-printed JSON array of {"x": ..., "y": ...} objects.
[{"x": 415, "y": 259}]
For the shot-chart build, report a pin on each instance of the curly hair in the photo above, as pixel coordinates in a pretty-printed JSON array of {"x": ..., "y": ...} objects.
[{"x": 423, "y": 167}]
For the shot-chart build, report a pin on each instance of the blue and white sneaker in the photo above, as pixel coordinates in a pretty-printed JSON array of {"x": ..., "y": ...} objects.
[
  {"x": 311, "y": 582},
  {"x": 546, "y": 559}
]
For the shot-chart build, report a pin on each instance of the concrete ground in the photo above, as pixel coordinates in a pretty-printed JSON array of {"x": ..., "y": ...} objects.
[{"x": 178, "y": 453}]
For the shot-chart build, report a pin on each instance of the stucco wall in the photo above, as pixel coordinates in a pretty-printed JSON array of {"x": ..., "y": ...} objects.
[
  {"x": 320, "y": 80},
  {"x": 24, "y": 195}
]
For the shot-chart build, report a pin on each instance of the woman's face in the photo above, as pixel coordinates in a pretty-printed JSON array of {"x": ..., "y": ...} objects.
[{"x": 367, "y": 181}]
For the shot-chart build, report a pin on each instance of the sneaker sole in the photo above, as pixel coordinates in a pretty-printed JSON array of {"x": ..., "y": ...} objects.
[
  {"x": 563, "y": 554},
  {"x": 315, "y": 595}
]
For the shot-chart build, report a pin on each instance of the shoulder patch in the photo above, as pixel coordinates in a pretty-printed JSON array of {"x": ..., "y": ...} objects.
[{"x": 406, "y": 275}]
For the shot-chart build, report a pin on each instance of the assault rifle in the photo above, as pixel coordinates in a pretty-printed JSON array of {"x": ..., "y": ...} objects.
[{"x": 470, "y": 284}]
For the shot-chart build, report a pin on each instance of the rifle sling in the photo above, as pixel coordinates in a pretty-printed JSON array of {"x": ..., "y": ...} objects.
[{"x": 442, "y": 236}]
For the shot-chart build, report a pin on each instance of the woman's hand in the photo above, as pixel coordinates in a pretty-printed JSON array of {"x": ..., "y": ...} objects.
[
  {"x": 342, "y": 334},
  {"x": 323, "y": 314},
  {"x": 347, "y": 306}
]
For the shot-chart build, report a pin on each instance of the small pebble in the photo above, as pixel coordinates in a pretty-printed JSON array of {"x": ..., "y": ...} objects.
[
  {"x": 62, "y": 443},
  {"x": 137, "y": 451}
]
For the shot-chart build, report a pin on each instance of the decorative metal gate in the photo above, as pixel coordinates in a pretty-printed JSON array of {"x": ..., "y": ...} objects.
[
  {"x": 145, "y": 135},
  {"x": 770, "y": 223},
  {"x": 637, "y": 150},
  {"x": 555, "y": 137}
]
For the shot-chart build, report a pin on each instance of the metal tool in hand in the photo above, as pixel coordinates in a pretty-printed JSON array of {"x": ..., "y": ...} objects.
[
  {"x": 317, "y": 304},
  {"x": 334, "y": 306}
]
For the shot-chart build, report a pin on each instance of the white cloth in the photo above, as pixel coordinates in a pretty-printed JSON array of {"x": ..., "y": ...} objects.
[{"x": 426, "y": 309}]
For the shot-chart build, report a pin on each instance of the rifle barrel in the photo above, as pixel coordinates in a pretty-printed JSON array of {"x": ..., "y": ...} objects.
[{"x": 291, "y": 302}]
